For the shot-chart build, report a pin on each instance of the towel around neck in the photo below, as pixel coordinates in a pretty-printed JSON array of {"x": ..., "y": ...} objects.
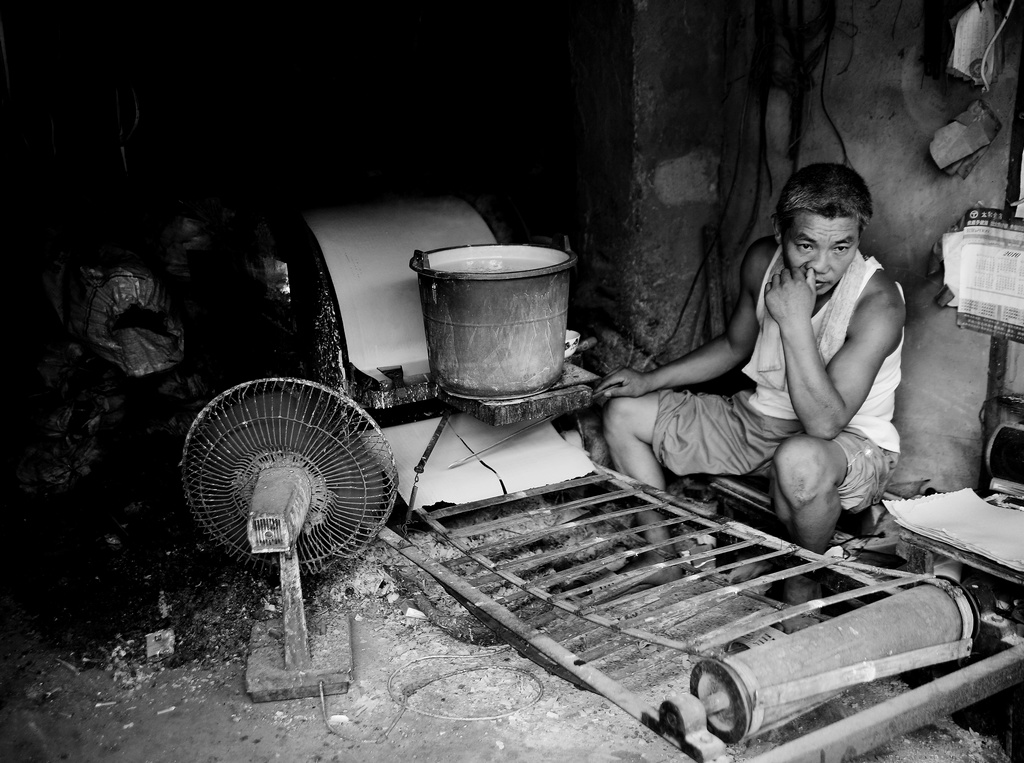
[{"x": 768, "y": 360}]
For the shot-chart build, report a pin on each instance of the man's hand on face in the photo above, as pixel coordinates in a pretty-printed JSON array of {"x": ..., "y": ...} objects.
[{"x": 790, "y": 295}]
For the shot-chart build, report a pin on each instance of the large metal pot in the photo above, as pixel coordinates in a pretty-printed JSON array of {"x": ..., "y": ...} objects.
[{"x": 494, "y": 317}]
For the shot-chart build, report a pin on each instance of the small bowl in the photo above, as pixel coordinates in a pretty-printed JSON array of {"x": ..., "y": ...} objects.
[{"x": 572, "y": 340}]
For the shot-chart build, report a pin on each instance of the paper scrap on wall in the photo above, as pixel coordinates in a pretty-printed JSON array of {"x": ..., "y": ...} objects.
[
  {"x": 991, "y": 285},
  {"x": 958, "y": 146},
  {"x": 973, "y": 29},
  {"x": 1019, "y": 204}
]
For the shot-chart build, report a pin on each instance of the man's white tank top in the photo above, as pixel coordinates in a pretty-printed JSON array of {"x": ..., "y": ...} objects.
[{"x": 874, "y": 419}]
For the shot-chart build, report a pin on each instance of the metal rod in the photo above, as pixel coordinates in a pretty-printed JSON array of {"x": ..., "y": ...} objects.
[
  {"x": 351, "y": 650},
  {"x": 862, "y": 672},
  {"x": 433, "y": 441},
  {"x": 504, "y": 440},
  {"x": 296, "y": 638},
  {"x": 870, "y": 728},
  {"x": 500, "y": 500},
  {"x": 423, "y": 462}
]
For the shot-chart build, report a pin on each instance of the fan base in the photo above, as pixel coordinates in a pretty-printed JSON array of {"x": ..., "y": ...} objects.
[{"x": 267, "y": 679}]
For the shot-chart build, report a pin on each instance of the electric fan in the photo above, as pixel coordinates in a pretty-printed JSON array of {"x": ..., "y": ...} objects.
[{"x": 288, "y": 470}]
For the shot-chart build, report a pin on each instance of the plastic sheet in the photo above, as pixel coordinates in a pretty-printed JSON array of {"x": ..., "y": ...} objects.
[{"x": 116, "y": 305}]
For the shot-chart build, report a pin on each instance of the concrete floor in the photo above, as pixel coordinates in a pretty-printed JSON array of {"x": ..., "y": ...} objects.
[{"x": 52, "y": 710}]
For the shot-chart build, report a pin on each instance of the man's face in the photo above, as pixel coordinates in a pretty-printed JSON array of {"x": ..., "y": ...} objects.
[{"x": 823, "y": 245}]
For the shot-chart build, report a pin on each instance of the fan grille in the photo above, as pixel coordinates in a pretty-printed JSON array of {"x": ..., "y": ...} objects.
[{"x": 300, "y": 424}]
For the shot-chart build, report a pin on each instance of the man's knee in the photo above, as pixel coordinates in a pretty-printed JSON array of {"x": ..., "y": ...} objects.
[
  {"x": 805, "y": 467},
  {"x": 612, "y": 419},
  {"x": 620, "y": 415}
]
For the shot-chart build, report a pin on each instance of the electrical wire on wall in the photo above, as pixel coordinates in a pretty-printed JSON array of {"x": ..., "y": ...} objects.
[
  {"x": 791, "y": 68},
  {"x": 788, "y": 66},
  {"x": 991, "y": 43}
]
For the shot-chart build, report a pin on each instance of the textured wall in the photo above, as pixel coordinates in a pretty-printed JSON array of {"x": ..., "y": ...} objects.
[
  {"x": 883, "y": 109},
  {"x": 601, "y": 52},
  {"x": 649, "y": 81},
  {"x": 693, "y": 110}
]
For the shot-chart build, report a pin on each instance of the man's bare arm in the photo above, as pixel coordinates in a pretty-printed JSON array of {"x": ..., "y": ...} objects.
[
  {"x": 716, "y": 357},
  {"x": 826, "y": 399}
]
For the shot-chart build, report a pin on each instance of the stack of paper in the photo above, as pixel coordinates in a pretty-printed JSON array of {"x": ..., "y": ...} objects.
[
  {"x": 963, "y": 520},
  {"x": 984, "y": 266}
]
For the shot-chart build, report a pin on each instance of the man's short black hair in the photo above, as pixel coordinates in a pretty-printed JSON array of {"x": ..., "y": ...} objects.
[{"x": 829, "y": 190}]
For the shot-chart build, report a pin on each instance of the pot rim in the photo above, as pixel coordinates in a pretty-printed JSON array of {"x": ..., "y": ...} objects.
[{"x": 420, "y": 263}]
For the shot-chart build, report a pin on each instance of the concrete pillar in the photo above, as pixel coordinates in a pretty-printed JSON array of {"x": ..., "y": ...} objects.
[{"x": 649, "y": 79}]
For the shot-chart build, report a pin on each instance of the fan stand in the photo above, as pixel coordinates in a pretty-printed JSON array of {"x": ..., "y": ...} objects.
[
  {"x": 290, "y": 467},
  {"x": 276, "y": 671}
]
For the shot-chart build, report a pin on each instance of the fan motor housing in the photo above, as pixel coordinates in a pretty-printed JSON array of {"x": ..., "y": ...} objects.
[{"x": 278, "y": 510}]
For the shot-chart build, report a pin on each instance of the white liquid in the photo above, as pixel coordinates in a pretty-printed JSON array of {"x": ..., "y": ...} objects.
[{"x": 493, "y": 259}]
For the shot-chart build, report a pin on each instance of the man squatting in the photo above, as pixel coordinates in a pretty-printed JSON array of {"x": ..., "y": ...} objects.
[{"x": 820, "y": 328}]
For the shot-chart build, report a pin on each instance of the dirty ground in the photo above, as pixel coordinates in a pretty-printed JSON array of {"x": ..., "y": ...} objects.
[
  {"x": 92, "y": 570},
  {"x": 77, "y": 685}
]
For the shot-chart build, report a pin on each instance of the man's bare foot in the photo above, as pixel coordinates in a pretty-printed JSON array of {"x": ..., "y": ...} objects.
[
  {"x": 632, "y": 577},
  {"x": 799, "y": 589},
  {"x": 747, "y": 572},
  {"x": 657, "y": 577}
]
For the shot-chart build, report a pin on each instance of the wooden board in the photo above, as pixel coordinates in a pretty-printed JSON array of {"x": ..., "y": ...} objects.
[
  {"x": 920, "y": 553},
  {"x": 572, "y": 392},
  {"x": 530, "y": 566}
]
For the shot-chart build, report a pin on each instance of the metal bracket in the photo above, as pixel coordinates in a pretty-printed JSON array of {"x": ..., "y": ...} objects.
[
  {"x": 395, "y": 374},
  {"x": 684, "y": 720},
  {"x": 422, "y": 465},
  {"x": 862, "y": 672}
]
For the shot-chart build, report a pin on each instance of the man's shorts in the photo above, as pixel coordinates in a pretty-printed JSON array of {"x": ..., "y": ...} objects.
[{"x": 711, "y": 434}]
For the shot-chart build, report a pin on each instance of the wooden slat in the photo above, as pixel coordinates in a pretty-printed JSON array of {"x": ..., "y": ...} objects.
[
  {"x": 626, "y": 580},
  {"x": 609, "y": 517},
  {"x": 597, "y": 634},
  {"x": 484, "y": 503},
  {"x": 757, "y": 622},
  {"x": 600, "y": 615},
  {"x": 862, "y": 672},
  {"x": 975, "y": 561},
  {"x": 483, "y": 528},
  {"x": 857, "y": 734},
  {"x": 548, "y": 651}
]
